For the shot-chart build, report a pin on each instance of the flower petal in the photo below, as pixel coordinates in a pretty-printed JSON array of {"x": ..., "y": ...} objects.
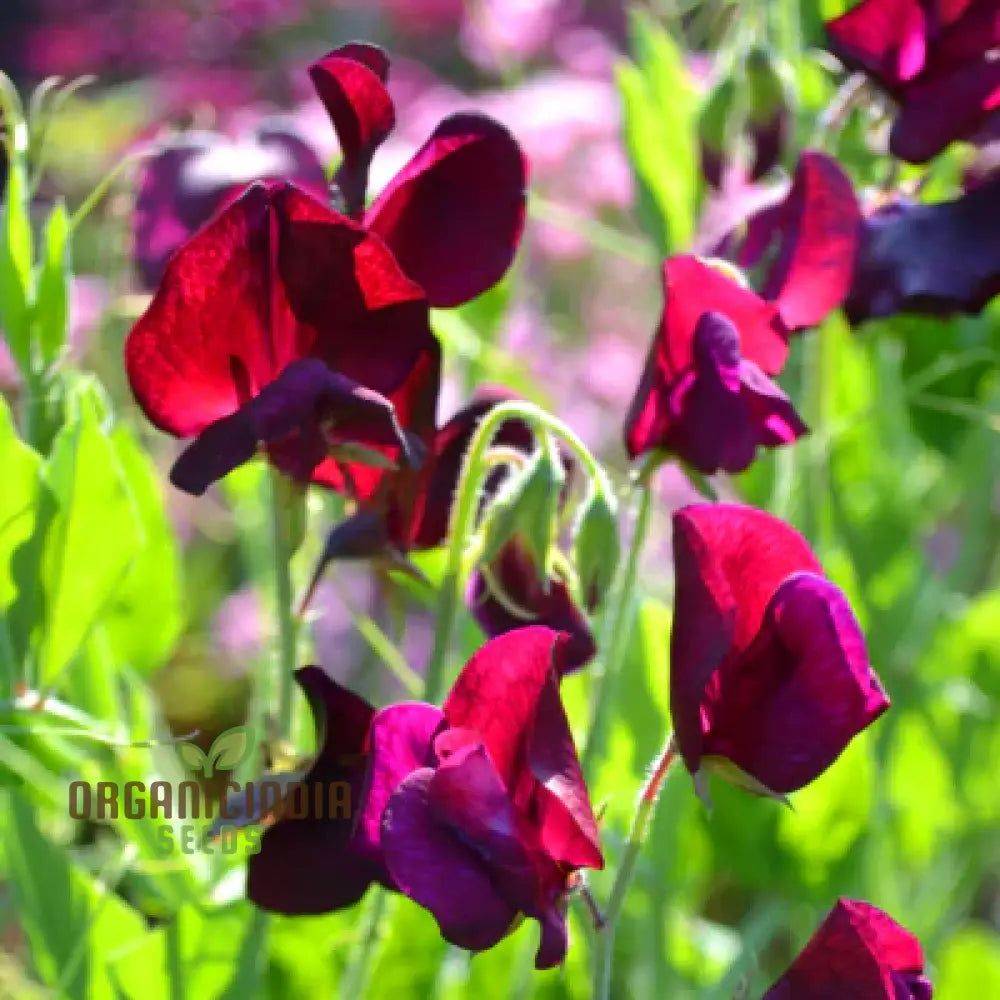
[
  {"x": 350, "y": 81},
  {"x": 276, "y": 277},
  {"x": 401, "y": 739},
  {"x": 508, "y": 694},
  {"x": 936, "y": 259},
  {"x": 858, "y": 951},
  {"x": 308, "y": 403},
  {"x": 453, "y": 215},
  {"x": 786, "y": 708},
  {"x": 508, "y": 596},
  {"x": 432, "y": 866},
  {"x": 728, "y": 562},
  {"x": 886, "y": 38},
  {"x": 820, "y": 231},
  {"x": 719, "y": 413}
]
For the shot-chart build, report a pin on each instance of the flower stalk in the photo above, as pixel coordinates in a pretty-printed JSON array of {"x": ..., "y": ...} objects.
[{"x": 642, "y": 819}]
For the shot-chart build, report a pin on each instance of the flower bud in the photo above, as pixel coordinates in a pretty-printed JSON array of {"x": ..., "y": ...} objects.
[
  {"x": 768, "y": 111},
  {"x": 527, "y": 506},
  {"x": 715, "y": 126},
  {"x": 596, "y": 546}
]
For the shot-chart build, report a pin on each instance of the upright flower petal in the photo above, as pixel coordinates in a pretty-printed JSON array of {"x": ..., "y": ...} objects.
[
  {"x": 820, "y": 229},
  {"x": 350, "y": 81},
  {"x": 306, "y": 865},
  {"x": 453, "y": 215},
  {"x": 859, "y": 952},
  {"x": 728, "y": 560}
]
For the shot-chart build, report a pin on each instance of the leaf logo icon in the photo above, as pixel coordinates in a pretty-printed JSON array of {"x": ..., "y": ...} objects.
[{"x": 228, "y": 751}]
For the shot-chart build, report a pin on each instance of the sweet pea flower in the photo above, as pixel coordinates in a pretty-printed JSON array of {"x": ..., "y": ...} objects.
[
  {"x": 284, "y": 325},
  {"x": 936, "y": 59},
  {"x": 453, "y": 215},
  {"x": 858, "y": 952},
  {"x": 477, "y": 811},
  {"x": 193, "y": 175},
  {"x": 769, "y": 674},
  {"x": 806, "y": 243},
  {"x": 935, "y": 259},
  {"x": 705, "y": 393}
]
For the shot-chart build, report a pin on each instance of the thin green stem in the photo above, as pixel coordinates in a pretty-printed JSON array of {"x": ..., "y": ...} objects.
[
  {"x": 285, "y": 614},
  {"x": 358, "y": 972},
  {"x": 641, "y": 821},
  {"x": 475, "y": 469},
  {"x": 615, "y": 636}
]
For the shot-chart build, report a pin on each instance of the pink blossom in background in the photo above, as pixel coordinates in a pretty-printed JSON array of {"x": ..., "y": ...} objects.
[{"x": 497, "y": 33}]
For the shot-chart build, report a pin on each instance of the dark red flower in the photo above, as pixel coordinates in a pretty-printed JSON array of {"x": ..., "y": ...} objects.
[
  {"x": 705, "y": 393},
  {"x": 305, "y": 865},
  {"x": 806, "y": 243},
  {"x": 195, "y": 174},
  {"x": 858, "y": 952},
  {"x": 768, "y": 666},
  {"x": 478, "y": 812},
  {"x": 937, "y": 259},
  {"x": 935, "y": 58},
  {"x": 507, "y": 594},
  {"x": 284, "y": 325},
  {"x": 453, "y": 215}
]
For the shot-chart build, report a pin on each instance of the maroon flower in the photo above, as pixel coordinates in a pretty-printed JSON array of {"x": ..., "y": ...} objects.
[
  {"x": 768, "y": 666},
  {"x": 935, "y": 58},
  {"x": 453, "y": 215},
  {"x": 195, "y": 174},
  {"x": 857, "y": 952},
  {"x": 286, "y": 325},
  {"x": 705, "y": 393},
  {"x": 478, "y": 812},
  {"x": 508, "y": 595},
  {"x": 936, "y": 259},
  {"x": 806, "y": 243}
]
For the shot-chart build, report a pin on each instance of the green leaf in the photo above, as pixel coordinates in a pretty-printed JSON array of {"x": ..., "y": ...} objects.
[
  {"x": 969, "y": 965},
  {"x": 15, "y": 232},
  {"x": 144, "y": 617},
  {"x": 18, "y": 506},
  {"x": 231, "y": 748},
  {"x": 660, "y": 107},
  {"x": 52, "y": 304},
  {"x": 91, "y": 539}
]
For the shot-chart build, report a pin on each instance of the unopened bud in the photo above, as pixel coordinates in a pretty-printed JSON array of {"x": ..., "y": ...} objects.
[
  {"x": 596, "y": 545},
  {"x": 715, "y": 126},
  {"x": 769, "y": 105}
]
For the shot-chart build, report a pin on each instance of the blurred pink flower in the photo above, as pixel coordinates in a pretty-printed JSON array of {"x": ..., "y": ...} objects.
[{"x": 497, "y": 33}]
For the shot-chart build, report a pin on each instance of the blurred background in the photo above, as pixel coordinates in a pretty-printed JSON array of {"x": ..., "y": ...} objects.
[{"x": 897, "y": 487}]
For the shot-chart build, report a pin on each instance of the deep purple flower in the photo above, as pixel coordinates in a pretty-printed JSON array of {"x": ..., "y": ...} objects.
[
  {"x": 705, "y": 393},
  {"x": 858, "y": 952},
  {"x": 939, "y": 259},
  {"x": 478, "y": 812},
  {"x": 768, "y": 666},
  {"x": 195, "y": 174},
  {"x": 453, "y": 215},
  {"x": 286, "y": 326},
  {"x": 936, "y": 58},
  {"x": 806, "y": 243}
]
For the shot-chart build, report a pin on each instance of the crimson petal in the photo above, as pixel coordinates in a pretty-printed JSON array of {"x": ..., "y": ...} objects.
[
  {"x": 728, "y": 562},
  {"x": 858, "y": 951},
  {"x": 431, "y": 865},
  {"x": 307, "y": 402},
  {"x": 820, "y": 230},
  {"x": 453, "y": 215},
  {"x": 350, "y": 81},
  {"x": 787, "y": 708},
  {"x": 936, "y": 259}
]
